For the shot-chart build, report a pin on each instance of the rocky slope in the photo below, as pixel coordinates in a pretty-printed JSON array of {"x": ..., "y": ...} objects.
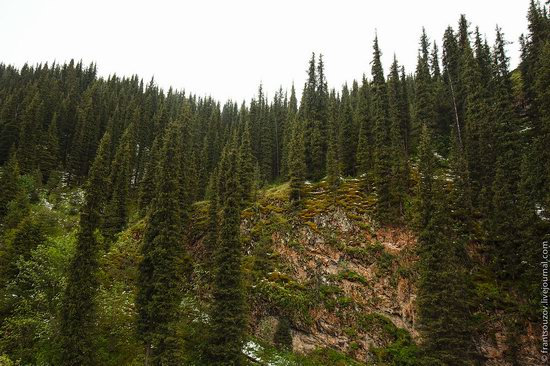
[{"x": 326, "y": 275}]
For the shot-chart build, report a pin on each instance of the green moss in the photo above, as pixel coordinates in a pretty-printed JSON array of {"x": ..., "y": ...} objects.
[
  {"x": 354, "y": 346},
  {"x": 367, "y": 255},
  {"x": 400, "y": 348},
  {"x": 329, "y": 295},
  {"x": 345, "y": 301},
  {"x": 351, "y": 332},
  {"x": 352, "y": 276},
  {"x": 278, "y": 192},
  {"x": 385, "y": 263},
  {"x": 312, "y": 225},
  {"x": 290, "y": 297}
]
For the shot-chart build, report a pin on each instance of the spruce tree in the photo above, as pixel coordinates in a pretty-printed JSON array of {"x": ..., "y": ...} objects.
[
  {"x": 84, "y": 140},
  {"x": 164, "y": 264},
  {"x": 474, "y": 117},
  {"x": 443, "y": 292},
  {"x": 503, "y": 219},
  {"x": 405, "y": 113},
  {"x": 116, "y": 211},
  {"x": 444, "y": 288},
  {"x": 426, "y": 170},
  {"x": 186, "y": 169},
  {"x": 292, "y": 110},
  {"x": 399, "y": 170},
  {"x": 228, "y": 321},
  {"x": 347, "y": 135},
  {"x": 333, "y": 166},
  {"x": 246, "y": 167},
  {"x": 365, "y": 144},
  {"x": 9, "y": 187},
  {"x": 9, "y": 126},
  {"x": 148, "y": 184},
  {"x": 50, "y": 150},
  {"x": 211, "y": 240},
  {"x": 424, "y": 105},
  {"x": 307, "y": 115},
  {"x": 31, "y": 131},
  {"x": 382, "y": 154},
  {"x": 79, "y": 300},
  {"x": 297, "y": 165},
  {"x": 320, "y": 133}
]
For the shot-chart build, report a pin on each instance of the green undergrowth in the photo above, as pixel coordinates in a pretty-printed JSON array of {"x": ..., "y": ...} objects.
[
  {"x": 349, "y": 196},
  {"x": 400, "y": 348}
]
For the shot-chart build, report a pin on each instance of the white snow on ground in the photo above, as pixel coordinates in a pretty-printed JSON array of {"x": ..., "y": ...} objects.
[
  {"x": 253, "y": 351},
  {"x": 47, "y": 204},
  {"x": 541, "y": 212},
  {"x": 437, "y": 155},
  {"x": 526, "y": 129}
]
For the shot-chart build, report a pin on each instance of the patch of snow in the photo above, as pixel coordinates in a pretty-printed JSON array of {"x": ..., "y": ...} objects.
[
  {"x": 526, "y": 129},
  {"x": 252, "y": 349},
  {"x": 541, "y": 212},
  {"x": 47, "y": 204},
  {"x": 437, "y": 155}
]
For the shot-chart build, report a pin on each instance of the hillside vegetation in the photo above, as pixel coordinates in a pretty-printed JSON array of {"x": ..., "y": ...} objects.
[{"x": 399, "y": 220}]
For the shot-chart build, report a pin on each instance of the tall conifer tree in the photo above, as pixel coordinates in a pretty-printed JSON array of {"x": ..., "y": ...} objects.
[
  {"x": 164, "y": 264},
  {"x": 79, "y": 300}
]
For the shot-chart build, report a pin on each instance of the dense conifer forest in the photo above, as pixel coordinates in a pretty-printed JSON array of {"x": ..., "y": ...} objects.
[{"x": 125, "y": 209}]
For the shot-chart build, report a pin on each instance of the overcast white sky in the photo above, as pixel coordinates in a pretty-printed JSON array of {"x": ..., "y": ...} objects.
[{"x": 226, "y": 48}]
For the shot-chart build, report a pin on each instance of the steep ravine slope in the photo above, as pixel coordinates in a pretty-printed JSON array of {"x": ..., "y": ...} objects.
[{"x": 326, "y": 275}]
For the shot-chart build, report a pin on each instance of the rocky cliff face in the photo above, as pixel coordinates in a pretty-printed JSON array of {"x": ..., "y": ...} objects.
[
  {"x": 358, "y": 275},
  {"x": 328, "y": 276}
]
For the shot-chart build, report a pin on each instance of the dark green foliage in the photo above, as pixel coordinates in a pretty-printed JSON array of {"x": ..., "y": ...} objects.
[
  {"x": 9, "y": 187},
  {"x": 297, "y": 164},
  {"x": 164, "y": 263},
  {"x": 148, "y": 184},
  {"x": 398, "y": 157},
  {"x": 426, "y": 170},
  {"x": 282, "y": 337},
  {"x": 365, "y": 142},
  {"x": 382, "y": 151},
  {"x": 347, "y": 135},
  {"x": 333, "y": 166},
  {"x": 30, "y": 133},
  {"x": 213, "y": 219},
  {"x": 228, "y": 319},
  {"x": 49, "y": 160},
  {"x": 424, "y": 113},
  {"x": 313, "y": 114},
  {"x": 86, "y": 136},
  {"x": 503, "y": 217},
  {"x": 116, "y": 214},
  {"x": 292, "y": 110},
  {"x": 79, "y": 303},
  {"x": 247, "y": 165},
  {"x": 444, "y": 287}
]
